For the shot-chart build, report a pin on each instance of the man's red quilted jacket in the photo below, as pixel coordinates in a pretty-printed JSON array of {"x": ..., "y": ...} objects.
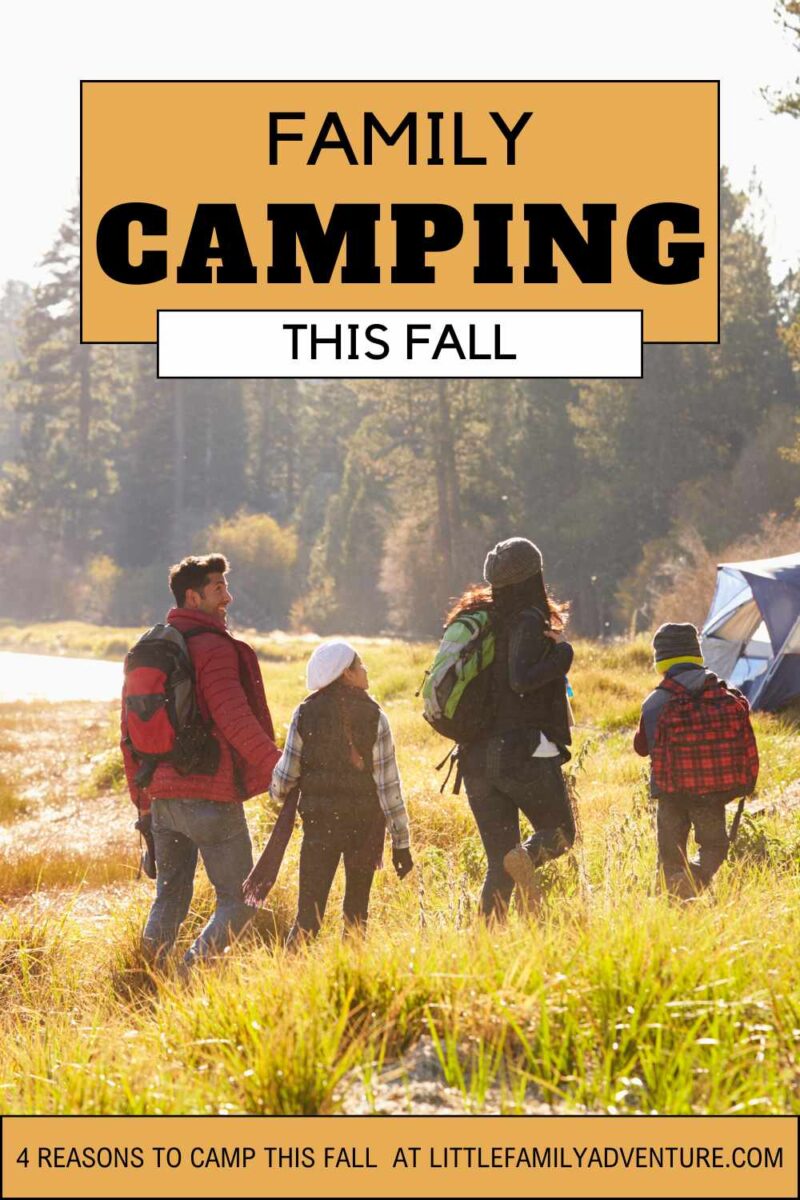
[{"x": 230, "y": 694}]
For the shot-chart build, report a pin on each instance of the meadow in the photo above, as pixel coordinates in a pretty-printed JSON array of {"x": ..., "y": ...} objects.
[{"x": 613, "y": 999}]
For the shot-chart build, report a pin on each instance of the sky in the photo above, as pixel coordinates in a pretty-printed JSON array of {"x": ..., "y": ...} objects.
[{"x": 48, "y": 46}]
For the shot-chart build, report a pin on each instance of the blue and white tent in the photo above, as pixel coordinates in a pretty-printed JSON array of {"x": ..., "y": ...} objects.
[{"x": 751, "y": 636}]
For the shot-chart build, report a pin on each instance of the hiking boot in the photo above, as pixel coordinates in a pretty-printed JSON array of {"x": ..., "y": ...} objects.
[
  {"x": 183, "y": 970},
  {"x": 521, "y": 869},
  {"x": 297, "y": 938},
  {"x": 681, "y": 885}
]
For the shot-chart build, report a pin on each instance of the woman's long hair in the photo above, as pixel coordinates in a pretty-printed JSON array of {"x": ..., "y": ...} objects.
[{"x": 510, "y": 599}]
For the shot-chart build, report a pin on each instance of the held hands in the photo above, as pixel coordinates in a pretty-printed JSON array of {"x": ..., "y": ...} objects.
[
  {"x": 402, "y": 862},
  {"x": 258, "y": 884}
]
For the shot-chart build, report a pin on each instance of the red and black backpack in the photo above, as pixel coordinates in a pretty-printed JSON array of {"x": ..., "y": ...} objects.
[
  {"x": 704, "y": 743},
  {"x": 163, "y": 718}
]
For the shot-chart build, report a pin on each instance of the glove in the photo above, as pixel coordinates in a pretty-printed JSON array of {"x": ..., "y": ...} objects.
[
  {"x": 144, "y": 825},
  {"x": 402, "y": 862}
]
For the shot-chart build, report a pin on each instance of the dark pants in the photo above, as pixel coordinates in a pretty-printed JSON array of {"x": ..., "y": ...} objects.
[
  {"x": 496, "y": 802},
  {"x": 181, "y": 829},
  {"x": 326, "y": 839},
  {"x": 683, "y": 877}
]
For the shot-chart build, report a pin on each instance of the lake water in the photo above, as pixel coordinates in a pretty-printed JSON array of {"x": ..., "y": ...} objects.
[{"x": 51, "y": 677}]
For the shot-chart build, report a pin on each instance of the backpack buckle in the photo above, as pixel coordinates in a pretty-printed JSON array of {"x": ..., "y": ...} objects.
[{"x": 454, "y": 762}]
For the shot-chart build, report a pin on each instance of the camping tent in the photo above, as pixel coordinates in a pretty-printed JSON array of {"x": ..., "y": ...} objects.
[{"x": 752, "y": 632}]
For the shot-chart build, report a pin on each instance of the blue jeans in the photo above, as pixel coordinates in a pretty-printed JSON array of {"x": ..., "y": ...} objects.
[{"x": 219, "y": 831}]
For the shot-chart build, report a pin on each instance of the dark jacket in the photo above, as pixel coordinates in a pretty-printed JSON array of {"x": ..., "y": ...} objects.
[
  {"x": 529, "y": 696},
  {"x": 230, "y": 695}
]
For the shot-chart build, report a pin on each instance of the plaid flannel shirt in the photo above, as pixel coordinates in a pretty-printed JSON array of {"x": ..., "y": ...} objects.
[{"x": 384, "y": 769}]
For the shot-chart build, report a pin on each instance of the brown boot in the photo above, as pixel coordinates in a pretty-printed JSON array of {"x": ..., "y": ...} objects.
[
  {"x": 521, "y": 869},
  {"x": 681, "y": 885}
]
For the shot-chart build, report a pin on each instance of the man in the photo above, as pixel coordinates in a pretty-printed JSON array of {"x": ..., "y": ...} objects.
[{"x": 201, "y": 812}]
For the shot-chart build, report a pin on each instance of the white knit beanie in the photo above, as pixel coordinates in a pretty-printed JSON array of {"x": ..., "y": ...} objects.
[{"x": 327, "y": 663}]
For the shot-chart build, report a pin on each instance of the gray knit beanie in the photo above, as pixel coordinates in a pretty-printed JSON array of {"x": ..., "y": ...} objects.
[
  {"x": 675, "y": 640},
  {"x": 512, "y": 561}
]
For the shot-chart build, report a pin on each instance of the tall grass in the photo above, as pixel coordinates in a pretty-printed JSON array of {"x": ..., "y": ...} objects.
[
  {"x": 12, "y": 803},
  {"x": 631, "y": 1007},
  {"x": 615, "y": 999},
  {"x": 22, "y": 873}
]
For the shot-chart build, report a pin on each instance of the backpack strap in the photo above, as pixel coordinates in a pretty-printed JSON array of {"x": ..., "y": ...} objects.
[
  {"x": 474, "y": 626},
  {"x": 454, "y": 759},
  {"x": 144, "y": 776},
  {"x": 545, "y": 616},
  {"x": 190, "y": 633},
  {"x": 668, "y": 684},
  {"x": 734, "y": 691}
]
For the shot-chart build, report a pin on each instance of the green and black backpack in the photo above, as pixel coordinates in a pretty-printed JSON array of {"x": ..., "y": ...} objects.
[{"x": 456, "y": 690}]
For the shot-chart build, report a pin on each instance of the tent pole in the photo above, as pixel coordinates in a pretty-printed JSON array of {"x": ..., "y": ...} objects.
[{"x": 776, "y": 662}]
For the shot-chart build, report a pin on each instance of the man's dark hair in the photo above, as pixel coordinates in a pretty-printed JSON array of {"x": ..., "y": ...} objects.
[{"x": 193, "y": 572}]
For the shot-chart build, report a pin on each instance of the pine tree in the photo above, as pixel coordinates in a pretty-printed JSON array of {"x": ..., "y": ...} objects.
[
  {"x": 788, "y": 12},
  {"x": 660, "y": 450},
  {"x": 16, "y": 298},
  {"x": 61, "y": 390},
  {"x": 147, "y": 464}
]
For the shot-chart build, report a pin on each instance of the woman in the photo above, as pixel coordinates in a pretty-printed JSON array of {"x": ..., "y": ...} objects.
[
  {"x": 340, "y": 755},
  {"x": 515, "y": 766}
]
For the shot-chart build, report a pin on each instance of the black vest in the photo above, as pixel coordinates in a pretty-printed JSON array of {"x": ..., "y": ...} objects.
[{"x": 328, "y": 777}]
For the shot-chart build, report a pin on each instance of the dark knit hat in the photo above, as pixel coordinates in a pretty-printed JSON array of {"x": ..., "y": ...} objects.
[
  {"x": 511, "y": 562},
  {"x": 676, "y": 642}
]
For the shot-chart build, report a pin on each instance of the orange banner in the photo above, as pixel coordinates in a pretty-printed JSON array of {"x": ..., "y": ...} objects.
[
  {"x": 403, "y": 195},
  {"x": 399, "y": 1156}
]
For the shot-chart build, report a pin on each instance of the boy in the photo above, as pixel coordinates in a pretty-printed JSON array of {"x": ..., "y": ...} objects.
[
  {"x": 339, "y": 753},
  {"x": 697, "y": 733}
]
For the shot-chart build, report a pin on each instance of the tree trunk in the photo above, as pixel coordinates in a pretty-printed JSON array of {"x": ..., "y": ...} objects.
[
  {"x": 448, "y": 495},
  {"x": 290, "y": 422},
  {"x": 264, "y": 488},
  {"x": 84, "y": 400},
  {"x": 179, "y": 460}
]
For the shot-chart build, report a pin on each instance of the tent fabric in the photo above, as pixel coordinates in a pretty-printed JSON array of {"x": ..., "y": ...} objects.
[
  {"x": 730, "y": 586},
  {"x": 741, "y": 624},
  {"x": 751, "y": 636}
]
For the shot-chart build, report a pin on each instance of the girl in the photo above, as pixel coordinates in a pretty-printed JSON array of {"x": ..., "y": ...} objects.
[
  {"x": 339, "y": 755},
  {"x": 515, "y": 766}
]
